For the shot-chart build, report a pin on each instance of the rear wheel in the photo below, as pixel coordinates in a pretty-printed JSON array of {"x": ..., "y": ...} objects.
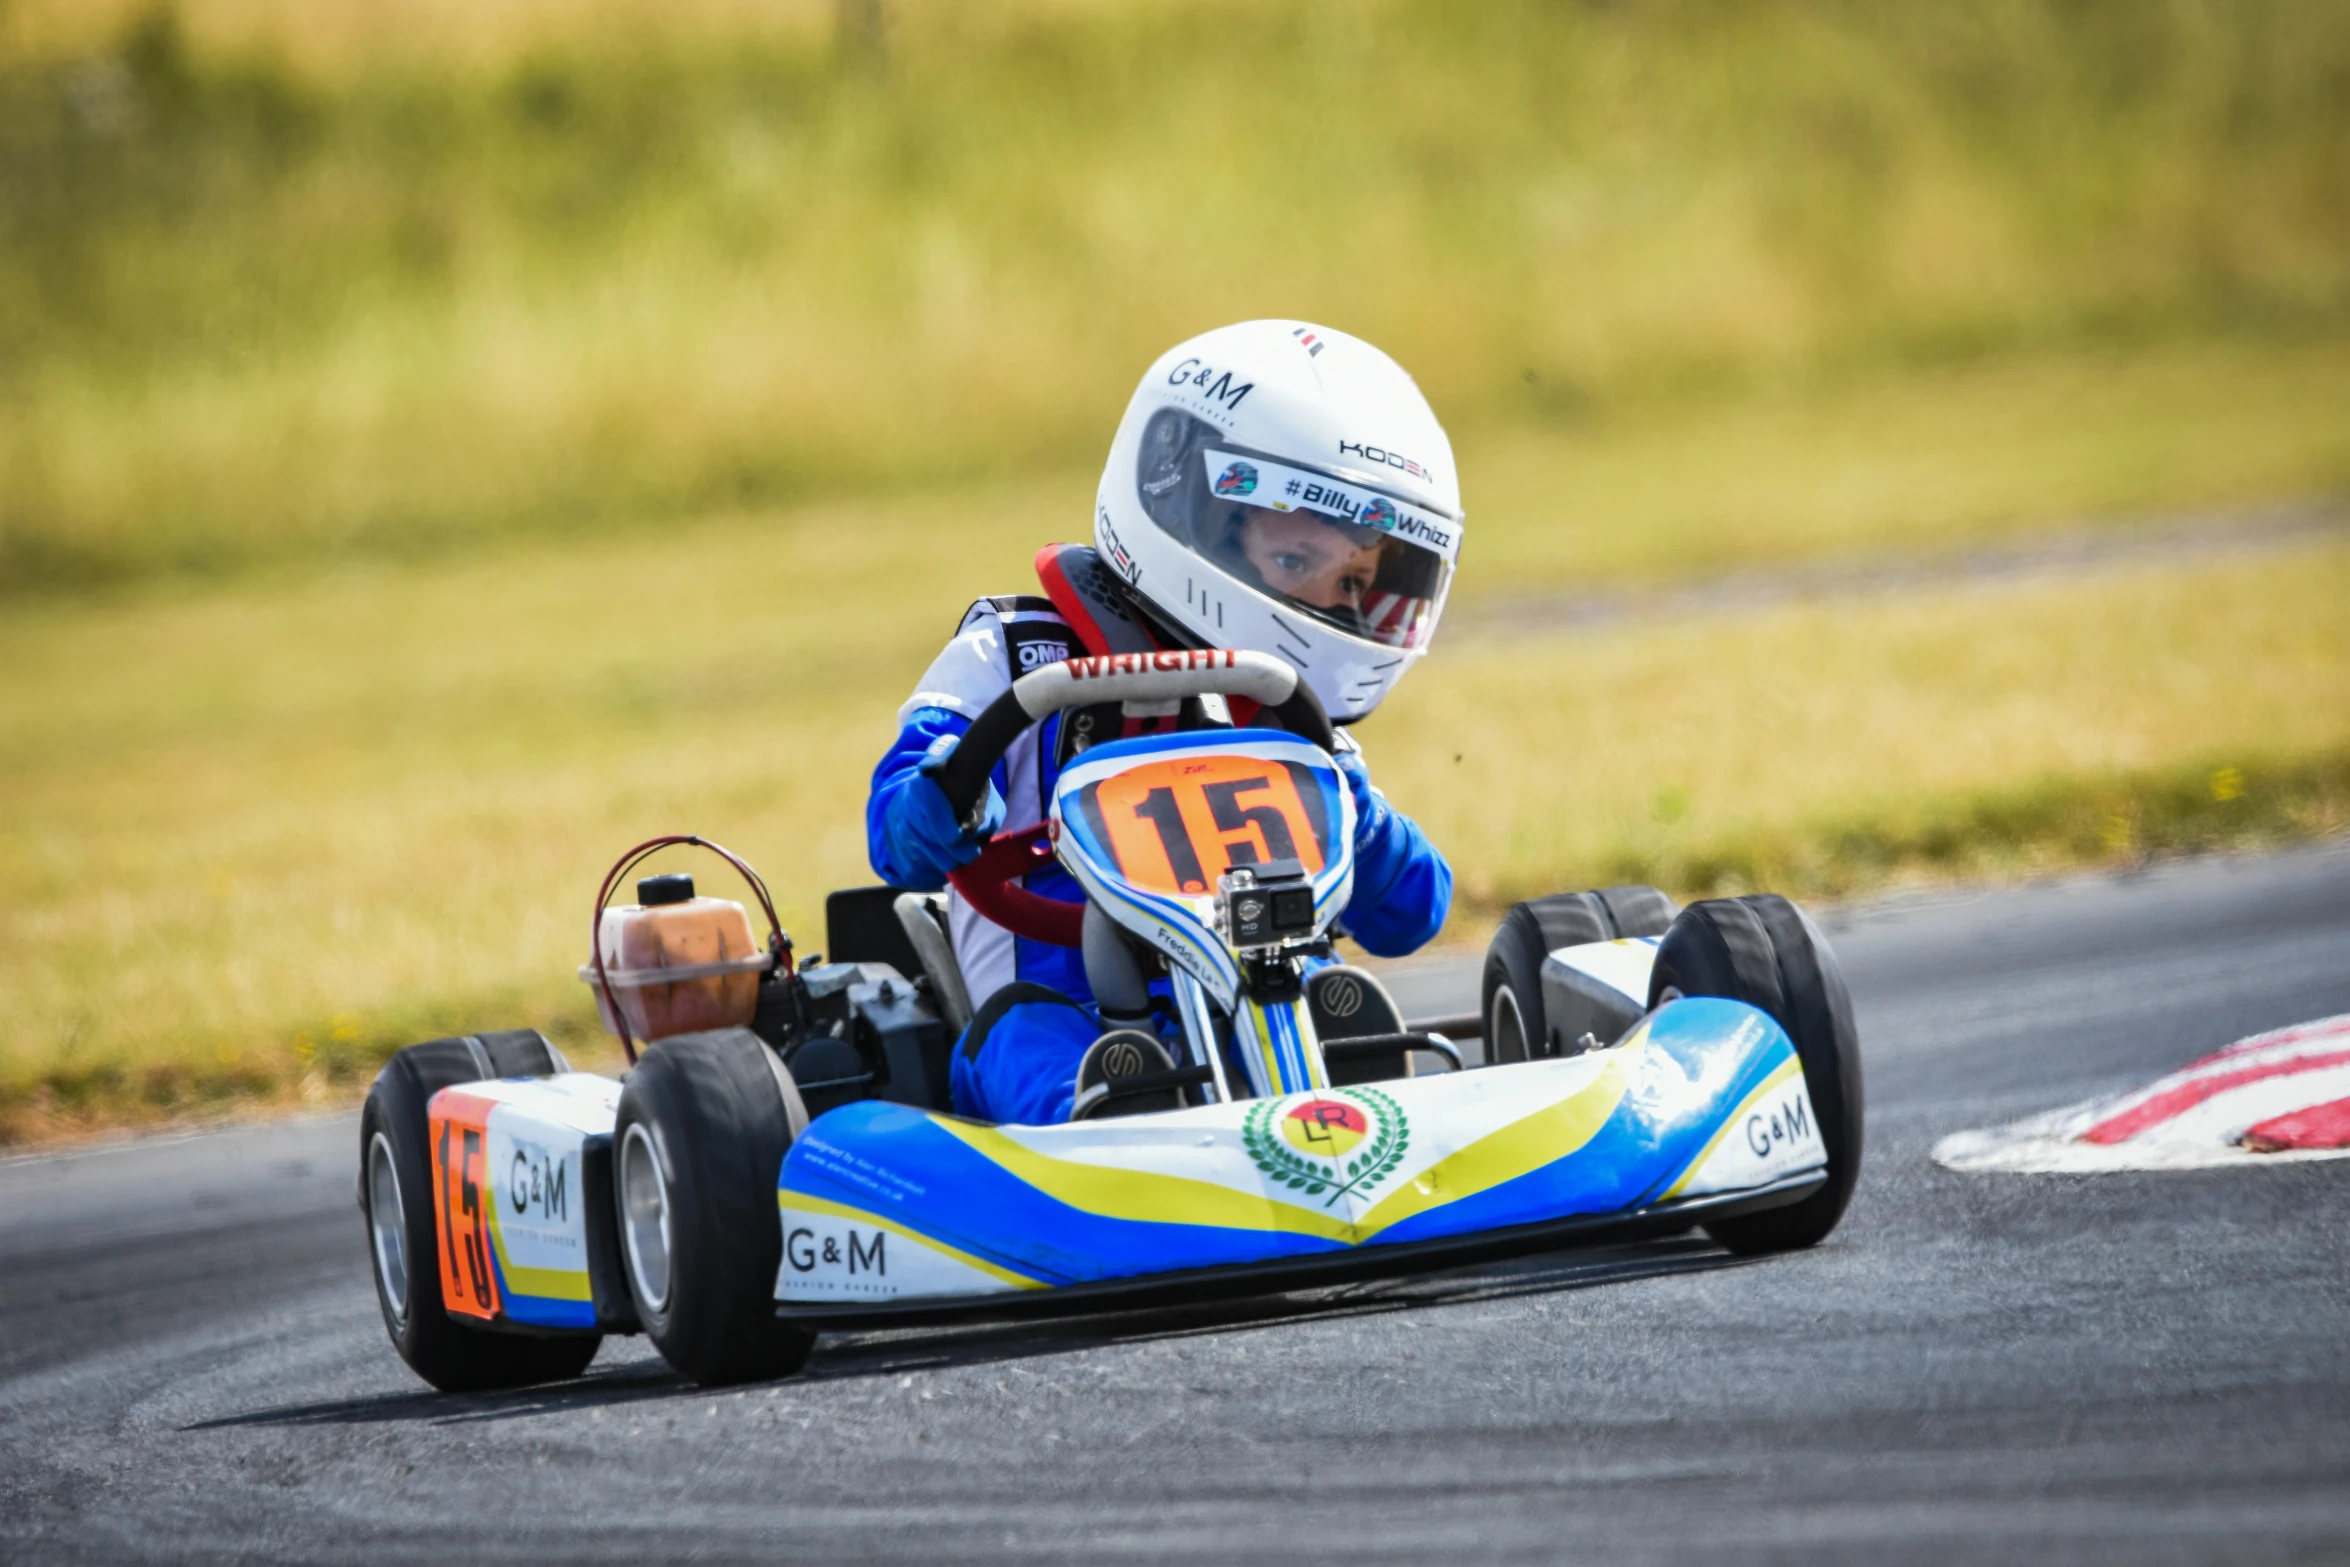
[
  {"x": 395, "y": 1195},
  {"x": 1766, "y": 952},
  {"x": 1516, "y": 1028},
  {"x": 704, "y": 1124},
  {"x": 522, "y": 1052}
]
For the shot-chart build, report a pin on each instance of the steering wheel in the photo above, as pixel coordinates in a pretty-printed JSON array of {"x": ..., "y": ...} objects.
[{"x": 987, "y": 882}]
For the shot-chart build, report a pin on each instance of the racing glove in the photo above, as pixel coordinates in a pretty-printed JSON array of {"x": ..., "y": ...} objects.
[
  {"x": 913, "y": 837},
  {"x": 1403, "y": 887}
]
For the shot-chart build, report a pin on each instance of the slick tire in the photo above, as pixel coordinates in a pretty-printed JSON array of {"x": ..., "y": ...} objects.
[
  {"x": 1511, "y": 1002},
  {"x": 395, "y": 1199},
  {"x": 522, "y": 1052},
  {"x": 703, "y": 1128},
  {"x": 1766, "y": 952}
]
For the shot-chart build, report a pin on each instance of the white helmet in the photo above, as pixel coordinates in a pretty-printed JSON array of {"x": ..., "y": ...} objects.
[{"x": 1286, "y": 488}]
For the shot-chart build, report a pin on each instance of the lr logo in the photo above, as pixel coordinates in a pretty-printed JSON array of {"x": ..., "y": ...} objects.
[
  {"x": 1325, "y": 1128},
  {"x": 1332, "y": 1144}
]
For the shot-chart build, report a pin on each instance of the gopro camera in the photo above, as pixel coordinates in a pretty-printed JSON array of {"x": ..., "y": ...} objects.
[{"x": 1265, "y": 905}]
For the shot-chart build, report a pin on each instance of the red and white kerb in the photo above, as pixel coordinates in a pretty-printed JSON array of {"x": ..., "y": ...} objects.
[{"x": 2273, "y": 1096}]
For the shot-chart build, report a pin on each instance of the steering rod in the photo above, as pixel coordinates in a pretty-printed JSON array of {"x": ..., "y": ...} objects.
[
  {"x": 1127, "y": 677},
  {"x": 987, "y": 883}
]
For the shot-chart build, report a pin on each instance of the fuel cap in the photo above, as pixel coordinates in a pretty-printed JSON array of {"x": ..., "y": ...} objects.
[{"x": 654, "y": 891}]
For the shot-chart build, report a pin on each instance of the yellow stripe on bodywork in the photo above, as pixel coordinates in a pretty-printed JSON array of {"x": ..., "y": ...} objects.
[
  {"x": 842, "y": 1211},
  {"x": 1146, "y": 1197},
  {"x": 1520, "y": 1148},
  {"x": 1265, "y": 1048},
  {"x": 544, "y": 1283},
  {"x": 1309, "y": 1050},
  {"x": 1788, "y": 1068}
]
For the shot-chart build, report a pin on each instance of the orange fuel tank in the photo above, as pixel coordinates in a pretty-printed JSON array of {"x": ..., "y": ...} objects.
[{"x": 677, "y": 963}]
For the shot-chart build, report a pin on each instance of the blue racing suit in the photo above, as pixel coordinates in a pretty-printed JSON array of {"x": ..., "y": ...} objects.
[{"x": 1033, "y": 1017}]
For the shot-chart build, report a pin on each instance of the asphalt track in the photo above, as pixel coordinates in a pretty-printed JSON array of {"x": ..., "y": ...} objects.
[{"x": 2134, "y": 1368}]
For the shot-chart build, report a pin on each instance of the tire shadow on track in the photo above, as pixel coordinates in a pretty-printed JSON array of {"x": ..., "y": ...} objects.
[
  {"x": 847, "y": 1356},
  {"x": 924, "y": 1349},
  {"x": 600, "y": 1389}
]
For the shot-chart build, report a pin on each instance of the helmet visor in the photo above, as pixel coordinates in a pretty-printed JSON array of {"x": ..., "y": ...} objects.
[{"x": 1365, "y": 563}]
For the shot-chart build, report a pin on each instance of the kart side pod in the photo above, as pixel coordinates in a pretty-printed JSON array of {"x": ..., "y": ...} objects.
[{"x": 521, "y": 1179}]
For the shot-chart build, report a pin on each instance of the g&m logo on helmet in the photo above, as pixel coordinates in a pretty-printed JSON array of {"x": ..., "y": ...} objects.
[
  {"x": 1239, "y": 479},
  {"x": 1210, "y": 384}
]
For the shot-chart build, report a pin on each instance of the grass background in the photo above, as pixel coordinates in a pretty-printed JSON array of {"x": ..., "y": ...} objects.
[
  {"x": 442, "y": 444},
  {"x": 251, "y": 310}
]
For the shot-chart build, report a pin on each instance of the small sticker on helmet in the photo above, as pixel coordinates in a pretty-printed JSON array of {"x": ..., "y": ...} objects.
[{"x": 1283, "y": 488}]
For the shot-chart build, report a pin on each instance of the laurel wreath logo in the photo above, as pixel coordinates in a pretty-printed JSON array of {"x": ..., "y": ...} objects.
[{"x": 1372, "y": 1163}]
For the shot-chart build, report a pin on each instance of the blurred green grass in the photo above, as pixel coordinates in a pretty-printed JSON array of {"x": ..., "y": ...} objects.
[
  {"x": 441, "y": 444},
  {"x": 252, "y": 310},
  {"x": 261, "y": 834}
]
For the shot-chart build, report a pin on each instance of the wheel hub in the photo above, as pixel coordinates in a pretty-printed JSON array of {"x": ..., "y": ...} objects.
[
  {"x": 644, "y": 1204},
  {"x": 387, "y": 1225}
]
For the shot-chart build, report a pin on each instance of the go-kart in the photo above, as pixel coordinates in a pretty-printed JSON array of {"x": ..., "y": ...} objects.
[{"x": 782, "y": 1159}]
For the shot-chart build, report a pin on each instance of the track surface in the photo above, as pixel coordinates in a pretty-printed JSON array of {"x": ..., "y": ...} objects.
[
  {"x": 2174, "y": 541},
  {"x": 2125, "y": 1368}
]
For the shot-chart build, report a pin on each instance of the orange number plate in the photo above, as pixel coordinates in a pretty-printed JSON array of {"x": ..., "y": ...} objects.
[
  {"x": 1177, "y": 825},
  {"x": 460, "y": 1131}
]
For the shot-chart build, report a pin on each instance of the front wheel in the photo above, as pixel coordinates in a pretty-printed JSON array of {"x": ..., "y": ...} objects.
[
  {"x": 395, "y": 1196},
  {"x": 1518, "y": 1026},
  {"x": 1766, "y": 952},
  {"x": 705, "y": 1120}
]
